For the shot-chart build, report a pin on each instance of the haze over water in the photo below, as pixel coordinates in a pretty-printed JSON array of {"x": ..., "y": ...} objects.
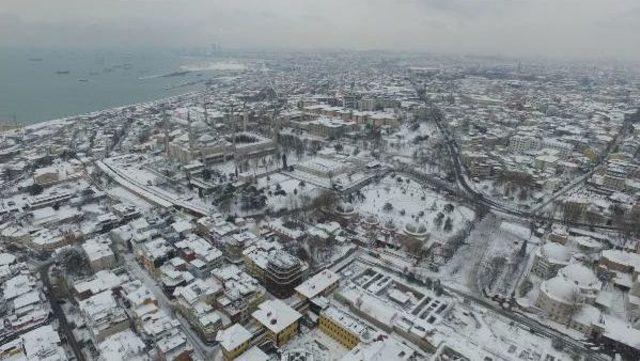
[{"x": 35, "y": 85}]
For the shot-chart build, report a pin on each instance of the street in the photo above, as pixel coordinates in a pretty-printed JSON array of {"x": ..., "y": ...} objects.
[
  {"x": 58, "y": 313},
  {"x": 204, "y": 351}
]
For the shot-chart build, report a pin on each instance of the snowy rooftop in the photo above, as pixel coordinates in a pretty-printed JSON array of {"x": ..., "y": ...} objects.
[
  {"x": 182, "y": 226},
  {"x": 97, "y": 248},
  {"x": 99, "y": 305},
  {"x": 233, "y": 336},
  {"x": 555, "y": 252},
  {"x": 282, "y": 259},
  {"x": 318, "y": 283},
  {"x": 7, "y": 259},
  {"x": 125, "y": 345},
  {"x": 101, "y": 281},
  {"x": 560, "y": 289},
  {"x": 42, "y": 343},
  {"x": 253, "y": 354},
  {"x": 624, "y": 258},
  {"x": 275, "y": 315},
  {"x": 581, "y": 275},
  {"x": 381, "y": 350},
  {"x": 348, "y": 322}
]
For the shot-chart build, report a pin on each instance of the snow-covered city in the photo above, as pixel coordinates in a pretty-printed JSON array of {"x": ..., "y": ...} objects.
[
  {"x": 424, "y": 211},
  {"x": 331, "y": 205}
]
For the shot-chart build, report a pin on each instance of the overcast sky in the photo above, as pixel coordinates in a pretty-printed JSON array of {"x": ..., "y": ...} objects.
[{"x": 557, "y": 28}]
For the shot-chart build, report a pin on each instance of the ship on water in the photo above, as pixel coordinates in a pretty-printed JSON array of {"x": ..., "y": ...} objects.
[{"x": 62, "y": 72}]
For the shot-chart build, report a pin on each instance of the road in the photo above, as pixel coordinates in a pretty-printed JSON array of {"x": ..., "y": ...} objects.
[
  {"x": 59, "y": 314},
  {"x": 479, "y": 198},
  {"x": 204, "y": 351},
  {"x": 151, "y": 194}
]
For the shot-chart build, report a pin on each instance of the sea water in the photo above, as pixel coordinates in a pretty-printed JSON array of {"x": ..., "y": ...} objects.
[{"x": 43, "y": 84}]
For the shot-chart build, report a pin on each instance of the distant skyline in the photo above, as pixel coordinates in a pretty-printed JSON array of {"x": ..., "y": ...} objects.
[{"x": 540, "y": 28}]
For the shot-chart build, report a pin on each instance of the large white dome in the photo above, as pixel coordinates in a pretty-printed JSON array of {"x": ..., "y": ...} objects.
[
  {"x": 561, "y": 290},
  {"x": 580, "y": 275}
]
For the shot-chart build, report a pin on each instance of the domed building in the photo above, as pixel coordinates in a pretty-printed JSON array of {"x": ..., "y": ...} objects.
[
  {"x": 560, "y": 298},
  {"x": 344, "y": 209},
  {"x": 370, "y": 221},
  {"x": 342, "y": 212},
  {"x": 549, "y": 258},
  {"x": 390, "y": 226},
  {"x": 416, "y": 230},
  {"x": 584, "y": 278}
]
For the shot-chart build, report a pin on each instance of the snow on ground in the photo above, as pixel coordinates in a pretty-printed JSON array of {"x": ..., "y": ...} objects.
[
  {"x": 401, "y": 142},
  {"x": 491, "y": 238},
  {"x": 413, "y": 199},
  {"x": 127, "y": 197},
  {"x": 144, "y": 177},
  {"x": 292, "y": 199},
  {"x": 529, "y": 299},
  {"x": 463, "y": 267},
  {"x": 502, "y": 277},
  {"x": 498, "y": 192},
  {"x": 323, "y": 347},
  {"x": 499, "y": 335}
]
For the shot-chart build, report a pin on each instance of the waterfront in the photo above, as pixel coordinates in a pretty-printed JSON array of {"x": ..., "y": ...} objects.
[{"x": 42, "y": 84}]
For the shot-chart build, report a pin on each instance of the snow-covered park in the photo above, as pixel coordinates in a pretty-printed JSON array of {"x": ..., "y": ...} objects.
[{"x": 401, "y": 200}]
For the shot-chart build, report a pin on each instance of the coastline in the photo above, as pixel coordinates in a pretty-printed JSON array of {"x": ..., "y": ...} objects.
[
  {"x": 76, "y": 117},
  {"x": 72, "y": 82}
]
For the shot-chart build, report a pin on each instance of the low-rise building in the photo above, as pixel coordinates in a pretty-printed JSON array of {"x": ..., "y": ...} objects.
[
  {"x": 194, "y": 301},
  {"x": 344, "y": 328},
  {"x": 278, "y": 319},
  {"x": 321, "y": 284},
  {"x": 202, "y": 256},
  {"x": 234, "y": 341},
  {"x": 125, "y": 345},
  {"x": 242, "y": 293},
  {"x": 103, "y": 316},
  {"x": 99, "y": 253}
]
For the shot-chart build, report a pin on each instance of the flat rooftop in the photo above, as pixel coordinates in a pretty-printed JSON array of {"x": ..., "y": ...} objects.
[
  {"x": 318, "y": 283},
  {"x": 276, "y": 315}
]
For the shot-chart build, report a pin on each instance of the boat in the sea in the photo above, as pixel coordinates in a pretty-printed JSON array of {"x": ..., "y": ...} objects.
[
  {"x": 83, "y": 80},
  {"x": 62, "y": 72},
  {"x": 36, "y": 59}
]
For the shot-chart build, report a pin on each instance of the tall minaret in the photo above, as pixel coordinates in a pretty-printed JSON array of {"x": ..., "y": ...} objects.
[
  {"x": 275, "y": 124},
  {"x": 245, "y": 117},
  {"x": 233, "y": 137},
  {"x": 190, "y": 132},
  {"x": 206, "y": 114},
  {"x": 165, "y": 129}
]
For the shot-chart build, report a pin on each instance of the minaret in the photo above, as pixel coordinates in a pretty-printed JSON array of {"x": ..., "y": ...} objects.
[
  {"x": 190, "y": 132},
  {"x": 245, "y": 120},
  {"x": 275, "y": 124},
  {"x": 206, "y": 114},
  {"x": 233, "y": 137},
  {"x": 451, "y": 97},
  {"x": 165, "y": 128}
]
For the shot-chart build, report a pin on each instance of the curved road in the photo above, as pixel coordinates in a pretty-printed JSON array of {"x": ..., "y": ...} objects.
[{"x": 479, "y": 198}]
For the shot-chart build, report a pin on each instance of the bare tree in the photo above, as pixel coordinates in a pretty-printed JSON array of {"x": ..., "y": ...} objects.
[
  {"x": 325, "y": 200},
  {"x": 575, "y": 303}
]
